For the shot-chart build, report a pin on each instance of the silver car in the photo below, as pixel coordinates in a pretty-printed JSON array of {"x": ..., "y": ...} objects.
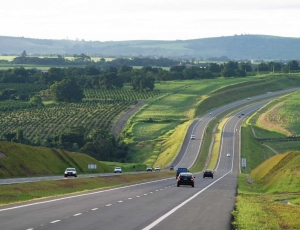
[{"x": 70, "y": 172}]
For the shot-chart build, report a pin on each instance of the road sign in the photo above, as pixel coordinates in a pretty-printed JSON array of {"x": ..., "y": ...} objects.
[
  {"x": 92, "y": 166},
  {"x": 244, "y": 163}
]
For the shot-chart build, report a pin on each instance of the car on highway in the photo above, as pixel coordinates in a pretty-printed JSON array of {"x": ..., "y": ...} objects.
[
  {"x": 193, "y": 137},
  {"x": 228, "y": 154},
  {"x": 185, "y": 178},
  {"x": 149, "y": 169},
  {"x": 248, "y": 98},
  {"x": 70, "y": 172},
  {"x": 180, "y": 170},
  {"x": 171, "y": 168},
  {"x": 157, "y": 168},
  {"x": 208, "y": 173},
  {"x": 118, "y": 170}
]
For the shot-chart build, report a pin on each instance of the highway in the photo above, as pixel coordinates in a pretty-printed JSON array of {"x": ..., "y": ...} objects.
[{"x": 157, "y": 204}]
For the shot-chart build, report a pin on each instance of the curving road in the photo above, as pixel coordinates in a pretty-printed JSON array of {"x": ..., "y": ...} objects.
[{"x": 151, "y": 205}]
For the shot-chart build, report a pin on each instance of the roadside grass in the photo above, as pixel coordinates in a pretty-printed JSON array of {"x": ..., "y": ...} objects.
[
  {"x": 172, "y": 145},
  {"x": 271, "y": 199},
  {"x": 44, "y": 189},
  {"x": 18, "y": 160}
]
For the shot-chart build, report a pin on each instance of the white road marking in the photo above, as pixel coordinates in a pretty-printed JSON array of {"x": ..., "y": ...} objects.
[
  {"x": 145, "y": 194},
  {"x": 80, "y": 195},
  {"x": 78, "y": 214},
  {"x": 108, "y": 205},
  {"x": 129, "y": 198},
  {"x": 156, "y": 190},
  {"x": 151, "y": 192},
  {"x": 94, "y": 209},
  {"x": 120, "y": 201},
  {"x": 156, "y": 222},
  {"x": 55, "y": 221},
  {"x": 137, "y": 196},
  {"x": 30, "y": 229}
]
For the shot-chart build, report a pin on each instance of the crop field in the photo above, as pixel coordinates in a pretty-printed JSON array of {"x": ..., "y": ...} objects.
[
  {"x": 97, "y": 110},
  {"x": 119, "y": 95},
  {"x": 49, "y": 120}
]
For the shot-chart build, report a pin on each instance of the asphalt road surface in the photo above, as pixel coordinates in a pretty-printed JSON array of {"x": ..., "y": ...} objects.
[{"x": 151, "y": 205}]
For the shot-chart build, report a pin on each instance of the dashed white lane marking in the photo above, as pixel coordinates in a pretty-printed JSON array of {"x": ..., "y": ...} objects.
[
  {"x": 55, "y": 221},
  {"x": 84, "y": 194},
  {"x": 161, "y": 189},
  {"x": 156, "y": 190},
  {"x": 137, "y": 196},
  {"x": 145, "y": 194},
  {"x": 151, "y": 192},
  {"x": 120, "y": 201},
  {"x": 129, "y": 198},
  {"x": 94, "y": 209},
  {"x": 108, "y": 205},
  {"x": 78, "y": 214},
  {"x": 30, "y": 229}
]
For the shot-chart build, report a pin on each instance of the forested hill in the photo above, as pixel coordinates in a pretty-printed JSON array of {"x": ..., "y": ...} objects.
[{"x": 239, "y": 47}]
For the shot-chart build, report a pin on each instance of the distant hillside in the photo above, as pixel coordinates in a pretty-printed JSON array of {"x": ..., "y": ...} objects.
[
  {"x": 239, "y": 47},
  {"x": 18, "y": 160}
]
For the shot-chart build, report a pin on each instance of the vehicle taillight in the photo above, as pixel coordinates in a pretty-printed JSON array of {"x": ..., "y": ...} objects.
[{"x": 192, "y": 178}]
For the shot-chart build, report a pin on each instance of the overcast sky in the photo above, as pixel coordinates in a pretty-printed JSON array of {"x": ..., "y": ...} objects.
[{"x": 118, "y": 20}]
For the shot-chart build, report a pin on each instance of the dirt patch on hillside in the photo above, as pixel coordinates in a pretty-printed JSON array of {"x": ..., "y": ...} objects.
[
  {"x": 2, "y": 155},
  {"x": 269, "y": 120}
]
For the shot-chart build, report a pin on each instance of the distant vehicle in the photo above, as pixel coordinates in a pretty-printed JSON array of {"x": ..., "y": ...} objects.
[
  {"x": 193, "y": 137},
  {"x": 70, "y": 172},
  {"x": 171, "y": 168},
  {"x": 149, "y": 169},
  {"x": 180, "y": 170},
  {"x": 118, "y": 170},
  {"x": 239, "y": 116},
  {"x": 242, "y": 114},
  {"x": 248, "y": 98},
  {"x": 208, "y": 173},
  {"x": 157, "y": 168},
  {"x": 185, "y": 179},
  {"x": 228, "y": 154}
]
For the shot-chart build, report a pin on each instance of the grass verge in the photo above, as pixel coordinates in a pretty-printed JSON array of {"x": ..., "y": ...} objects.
[{"x": 43, "y": 189}]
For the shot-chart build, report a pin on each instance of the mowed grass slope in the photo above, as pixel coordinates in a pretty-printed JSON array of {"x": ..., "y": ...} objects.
[
  {"x": 18, "y": 160},
  {"x": 271, "y": 200}
]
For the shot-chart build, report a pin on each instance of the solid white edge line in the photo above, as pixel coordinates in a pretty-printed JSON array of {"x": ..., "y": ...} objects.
[
  {"x": 85, "y": 194},
  {"x": 156, "y": 222}
]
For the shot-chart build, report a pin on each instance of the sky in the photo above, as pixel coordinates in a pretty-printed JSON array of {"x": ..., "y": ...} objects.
[{"x": 120, "y": 20}]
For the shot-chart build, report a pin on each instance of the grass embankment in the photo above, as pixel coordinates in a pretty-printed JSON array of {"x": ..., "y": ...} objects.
[
  {"x": 151, "y": 128},
  {"x": 18, "y": 160},
  {"x": 42, "y": 189},
  {"x": 272, "y": 199},
  {"x": 186, "y": 99}
]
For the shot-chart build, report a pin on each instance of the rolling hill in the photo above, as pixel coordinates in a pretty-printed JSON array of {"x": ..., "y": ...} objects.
[{"x": 238, "y": 47}]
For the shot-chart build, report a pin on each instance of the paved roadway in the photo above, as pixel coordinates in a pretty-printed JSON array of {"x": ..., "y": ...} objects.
[{"x": 151, "y": 205}]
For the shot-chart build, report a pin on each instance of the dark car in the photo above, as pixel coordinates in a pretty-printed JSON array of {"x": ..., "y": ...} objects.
[
  {"x": 185, "y": 179},
  {"x": 180, "y": 170},
  {"x": 172, "y": 168},
  {"x": 208, "y": 173}
]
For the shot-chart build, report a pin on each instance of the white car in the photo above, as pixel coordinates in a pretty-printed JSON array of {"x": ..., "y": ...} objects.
[
  {"x": 248, "y": 98},
  {"x": 70, "y": 172},
  {"x": 118, "y": 170},
  {"x": 228, "y": 154},
  {"x": 193, "y": 137},
  {"x": 157, "y": 168}
]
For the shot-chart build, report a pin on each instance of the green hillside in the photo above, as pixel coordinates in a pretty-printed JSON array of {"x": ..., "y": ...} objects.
[
  {"x": 251, "y": 47},
  {"x": 271, "y": 199},
  {"x": 18, "y": 160}
]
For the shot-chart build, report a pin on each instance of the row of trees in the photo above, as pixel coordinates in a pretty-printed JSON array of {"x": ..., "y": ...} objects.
[{"x": 99, "y": 143}]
